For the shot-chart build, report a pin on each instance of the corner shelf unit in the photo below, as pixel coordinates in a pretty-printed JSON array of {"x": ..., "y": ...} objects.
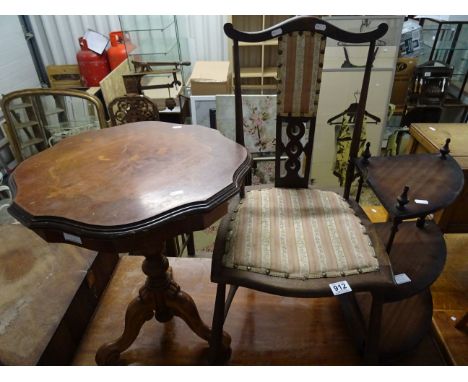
[
  {"x": 258, "y": 60},
  {"x": 415, "y": 248}
]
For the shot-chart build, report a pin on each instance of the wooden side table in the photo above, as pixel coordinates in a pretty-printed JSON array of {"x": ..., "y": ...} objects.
[
  {"x": 429, "y": 137},
  {"x": 128, "y": 189}
]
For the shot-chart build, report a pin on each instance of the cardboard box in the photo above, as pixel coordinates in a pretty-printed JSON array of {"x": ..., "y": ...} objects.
[
  {"x": 411, "y": 41},
  {"x": 211, "y": 78},
  {"x": 403, "y": 74}
]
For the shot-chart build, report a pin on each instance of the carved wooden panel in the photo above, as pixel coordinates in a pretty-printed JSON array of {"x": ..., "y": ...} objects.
[
  {"x": 293, "y": 139},
  {"x": 132, "y": 109}
]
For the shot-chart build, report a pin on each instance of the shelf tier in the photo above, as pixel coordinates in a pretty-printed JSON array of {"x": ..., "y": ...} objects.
[
  {"x": 273, "y": 42},
  {"x": 420, "y": 253},
  {"x": 31, "y": 142},
  {"x": 3, "y": 142},
  {"x": 20, "y": 106},
  {"x": 143, "y": 51},
  {"x": 254, "y": 86},
  {"x": 256, "y": 72},
  {"x": 445, "y": 45},
  {"x": 57, "y": 110},
  {"x": 270, "y": 72},
  {"x": 23, "y": 125},
  {"x": 404, "y": 324},
  {"x": 143, "y": 23},
  {"x": 429, "y": 178}
]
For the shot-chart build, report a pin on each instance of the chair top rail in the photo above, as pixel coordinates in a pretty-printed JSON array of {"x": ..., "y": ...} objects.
[{"x": 306, "y": 23}]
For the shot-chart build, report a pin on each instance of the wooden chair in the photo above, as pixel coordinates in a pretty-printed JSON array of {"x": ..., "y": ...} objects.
[
  {"x": 39, "y": 118},
  {"x": 136, "y": 108},
  {"x": 292, "y": 240},
  {"x": 132, "y": 108}
]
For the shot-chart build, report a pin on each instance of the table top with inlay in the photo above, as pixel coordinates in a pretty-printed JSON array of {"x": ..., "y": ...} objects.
[{"x": 136, "y": 177}]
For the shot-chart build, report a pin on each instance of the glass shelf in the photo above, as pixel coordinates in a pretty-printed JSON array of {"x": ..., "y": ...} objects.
[
  {"x": 156, "y": 47},
  {"x": 146, "y": 23},
  {"x": 448, "y": 46}
]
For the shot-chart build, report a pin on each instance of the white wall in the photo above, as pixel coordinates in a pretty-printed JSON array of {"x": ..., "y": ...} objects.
[
  {"x": 57, "y": 36},
  {"x": 16, "y": 66}
]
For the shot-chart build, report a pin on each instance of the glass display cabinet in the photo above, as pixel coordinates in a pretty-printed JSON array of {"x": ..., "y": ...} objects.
[
  {"x": 154, "y": 38},
  {"x": 446, "y": 41}
]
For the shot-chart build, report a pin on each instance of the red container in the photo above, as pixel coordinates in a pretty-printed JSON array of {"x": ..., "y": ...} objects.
[
  {"x": 117, "y": 52},
  {"x": 93, "y": 67}
]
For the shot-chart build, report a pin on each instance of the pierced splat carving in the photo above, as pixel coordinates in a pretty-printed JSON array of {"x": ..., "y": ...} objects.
[
  {"x": 298, "y": 92},
  {"x": 132, "y": 109},
  {"x": 296, "y": 148}
]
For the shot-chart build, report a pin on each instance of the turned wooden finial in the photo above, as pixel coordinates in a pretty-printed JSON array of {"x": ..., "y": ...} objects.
[
  {"x": 366, "y": 154},
  {"x": 403, "y": 199},
  {"x": 445, "y": 149}
]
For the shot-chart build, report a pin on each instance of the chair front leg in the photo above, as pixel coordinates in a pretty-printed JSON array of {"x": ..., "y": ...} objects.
[
  {"x": 190, "y": 245},
  {"x": 371, "y": 347},
  {"x": 218, "y": 354}
]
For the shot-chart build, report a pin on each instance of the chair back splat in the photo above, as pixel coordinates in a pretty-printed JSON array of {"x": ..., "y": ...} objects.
[
  {"x": 132, "y": 108},
  {"x": 301, "y": 50}
]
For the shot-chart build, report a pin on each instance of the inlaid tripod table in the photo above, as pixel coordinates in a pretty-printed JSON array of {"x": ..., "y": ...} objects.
[{"x": 128, "y": 189}]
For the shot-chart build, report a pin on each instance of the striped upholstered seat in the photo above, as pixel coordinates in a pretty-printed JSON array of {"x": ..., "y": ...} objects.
[{"x": 298, "y": 233}]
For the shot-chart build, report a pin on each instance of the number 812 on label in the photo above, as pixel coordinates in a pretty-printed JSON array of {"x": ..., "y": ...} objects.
[{"x": 340, "y": 287}]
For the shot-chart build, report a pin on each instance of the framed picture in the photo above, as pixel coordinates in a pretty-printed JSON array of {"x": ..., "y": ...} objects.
[
  {"x": 259, "y": 119},
  {"x": 200, "y": 107}
]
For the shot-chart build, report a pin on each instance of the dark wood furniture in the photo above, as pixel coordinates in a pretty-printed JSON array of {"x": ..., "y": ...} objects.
[
  {"x": 417, "y": 252},
  {"x": 428, "y": 138},
  {"x": 267, "y": 330},
  {"x": 49, "y": 294},
  {"x": 386, "y": 316},
  {"x": 132, "y": 108},
  {"x": 306, "y": 225},
  {"x": 126, "y": 189},
  {"x": 138, "y": 108}
]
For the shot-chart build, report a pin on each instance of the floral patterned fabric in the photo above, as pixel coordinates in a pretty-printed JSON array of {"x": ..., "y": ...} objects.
[{"x": 259, "y": 120}]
